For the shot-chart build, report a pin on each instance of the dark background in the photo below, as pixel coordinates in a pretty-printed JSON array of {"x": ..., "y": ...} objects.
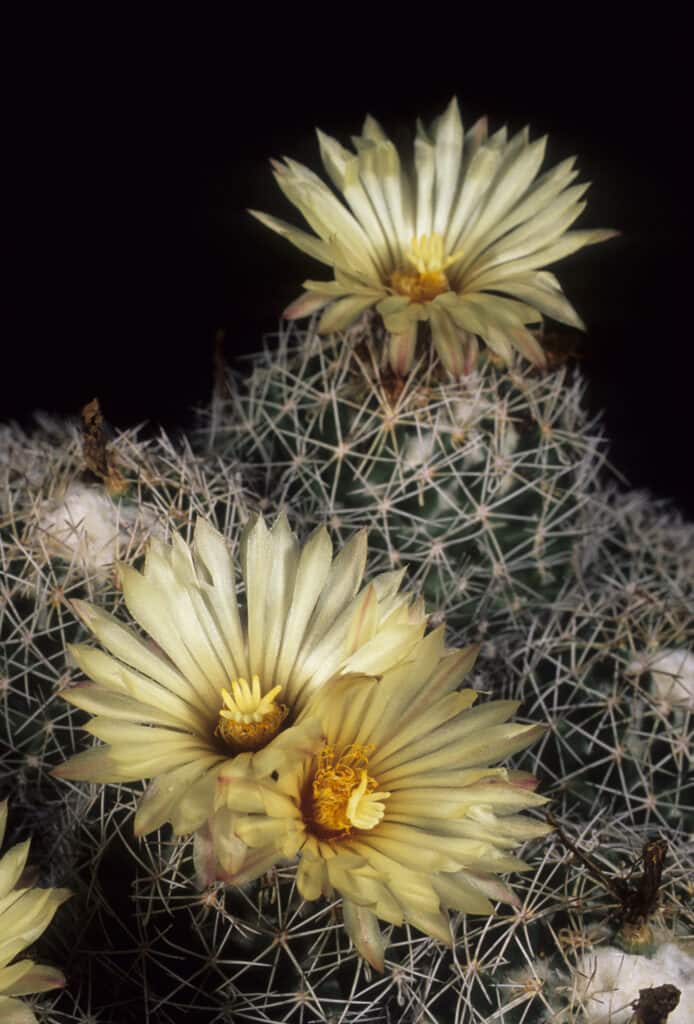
[{"x": 134, "y": 150}]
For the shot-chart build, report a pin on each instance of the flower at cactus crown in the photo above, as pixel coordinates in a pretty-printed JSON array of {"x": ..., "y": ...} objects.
[
  {"x": 25, "y": 913},
  {"x": 473, "y": 222},
  {"x": 395, "y": 808},
  {"x": 215, "y": 683}
]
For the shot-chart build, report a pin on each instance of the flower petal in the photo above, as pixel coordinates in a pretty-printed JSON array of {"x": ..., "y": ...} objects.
[{"x": 361, "y": 925}]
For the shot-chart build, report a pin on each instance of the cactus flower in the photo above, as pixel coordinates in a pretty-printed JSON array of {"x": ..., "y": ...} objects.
[
  {"x": 460, "y": 245},
  {"x": 25, "y": 913},
  {"x": 213, "y": 684},
  {"x": 395, "y": 807}
]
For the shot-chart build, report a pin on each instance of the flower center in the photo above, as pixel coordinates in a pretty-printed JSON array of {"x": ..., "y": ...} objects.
[
  {"x": 249, "y": 721},
  {"x": 343, "y": 794},
  {"x": 426, "y": 279}
]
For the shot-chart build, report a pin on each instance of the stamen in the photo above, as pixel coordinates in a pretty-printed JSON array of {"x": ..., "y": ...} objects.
[
  {"x": 342, "y": 792},
  {"x": 428, "y": 279},
  {"x": 249, "y": 721}
]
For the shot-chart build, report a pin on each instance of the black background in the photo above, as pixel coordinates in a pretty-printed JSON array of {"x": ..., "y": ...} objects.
[{"x": 134, "y": 149}]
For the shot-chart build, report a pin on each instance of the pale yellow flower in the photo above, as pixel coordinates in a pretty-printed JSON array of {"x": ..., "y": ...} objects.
[
  {"x": 25, "y": 913},
  {"x": 214, "y": 681},
  {"x": 473, "y": 221},
  {"x": 395, "y": 806}
]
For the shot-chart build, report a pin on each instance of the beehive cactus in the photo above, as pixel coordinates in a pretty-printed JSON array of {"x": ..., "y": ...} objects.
[
  {"x": 61, "y": 534},
  {"x": 329, "y": 889},
  {"x": 479, "y": 487},
  {"x": 606, "y": 668}
]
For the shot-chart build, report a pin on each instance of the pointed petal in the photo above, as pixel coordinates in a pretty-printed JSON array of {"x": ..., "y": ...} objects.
[{"x": 361, "y": 925}]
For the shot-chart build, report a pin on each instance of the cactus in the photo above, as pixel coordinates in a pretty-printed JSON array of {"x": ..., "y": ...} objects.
[
  {"x": 260, "y": 953},
  {"x": 618, "y": 741},
  {"x": 585, "y": 649},
  {"x": 488, "y": 489},
  {"x": 61, "y": 532},
  {"x": 481, "y": 487}
]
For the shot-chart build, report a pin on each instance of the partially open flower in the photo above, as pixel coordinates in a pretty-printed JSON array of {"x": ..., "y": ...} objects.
[
  {"x": 460, "y": 244},
  {"x": 25, "y": 913},
  {"x": 395, "y": 806},
  {"x": 216, "y": 683}
]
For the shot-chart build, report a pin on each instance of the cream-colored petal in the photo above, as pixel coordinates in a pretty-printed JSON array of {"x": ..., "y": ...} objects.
[
  {"x": 257, "y": 567},
  {"x": 379, "y": 172},
  {"x": 13, "y": 975},
  {"x": 340, "y": 588},
  {"x": 448, "y": 138},
  {"x": 257, "y": 830},
  {"x": 121, "y": 679},
  {"x": 541, "y": 193},
  {"x": 288, "y": 749},
  {"x": 478, "y": 179},
  {"x": 256, "y": 863},
  {"x": 492, "y": 887},
  {"x": 284, "y": 560},
  {"x": 12, "y": 864},
  {"x": 93, "y": 765},
  {"x": 422, "y": 725},
  {"x": 537, "y": 233},
  {"x": 332, "y": 289},
  {"x": 99, "y": 700},
  {"x": 452, "y": 667},
  {"x": 461, "y": 851},
  {"x": 389, "y": 646},
  {"x": 343, "y": 168},
  {"x": 30, "y": 979},
  {"x": 165, "y": 794},
  {"x": 400, "y": 692},
  {"x": 226, "y": 849},
  {"x": 311, "y": 575},
  {"x": 550, "y": 301},
  {"x": 328, "y": 217},
  {"x": 401, "y": 350},
  {"x": 14, "y": 1011},
  {"x": 129, "y": 648},
  {"x": 26, "y": 918},
  {"x": 571, "y": 242},
  {"x": 344, "y": 312},
  {"x": 435, "y": 924},
  {"x": 307, "y": 303},
  {"x": 312, "y": 877},
  {"x": 344, "y": 729},
  {"x": 456, "y": 893},
  {"x": 511, "y": 183},
  {"x": 165, "y": 612},
  {"x": 116, "y": 731},
  {"x": 212, "y": 552},
  {"x": 362, "y": 927},
  {"x": 424, "y": 161},
  {"x": 407, "y": 885},
  {"x": 447, "y": 341},
  {"x": 307, "y": 243},
  {"x": 425, "y": 858},
  {"x": 460, "y": 743}
]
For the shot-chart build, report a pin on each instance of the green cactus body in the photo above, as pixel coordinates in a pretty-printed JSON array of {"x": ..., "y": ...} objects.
[
  {"x": 479, "y": 487},
  {"x": 609, "y": 669}
]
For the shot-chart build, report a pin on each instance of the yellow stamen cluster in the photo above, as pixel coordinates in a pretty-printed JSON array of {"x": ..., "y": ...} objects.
[
  {"x": 249, "y": 720},
  {"x": 426, "y": 256},
  {"x": 342, "y": 791}
]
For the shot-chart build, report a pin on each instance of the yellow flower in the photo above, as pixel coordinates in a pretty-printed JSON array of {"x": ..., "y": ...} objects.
[
  {"x": 215, "y": 683},
  {"x": 474, "y": 221},
  {"x": 25, "y": 913},
  {"x": 395, "y": 806}
]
